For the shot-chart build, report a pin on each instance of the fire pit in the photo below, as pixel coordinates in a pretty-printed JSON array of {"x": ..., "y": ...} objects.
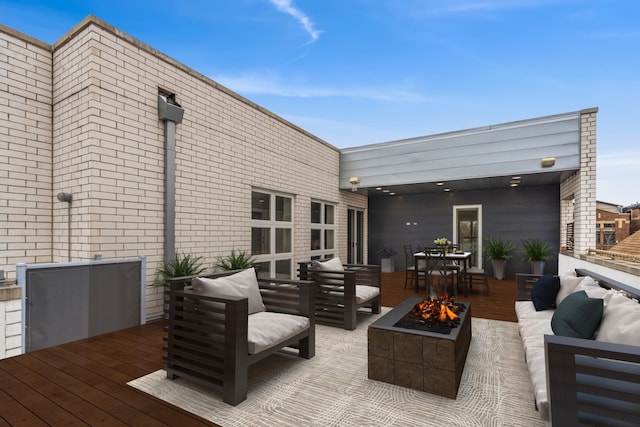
[{"x": 416, "y": 357}]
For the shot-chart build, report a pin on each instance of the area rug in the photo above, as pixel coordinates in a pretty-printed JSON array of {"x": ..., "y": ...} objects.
[{"x": 332, "y": 389}]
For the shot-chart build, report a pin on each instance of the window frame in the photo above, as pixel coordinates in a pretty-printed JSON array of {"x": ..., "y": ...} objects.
[{"x": 275, "y": 227}]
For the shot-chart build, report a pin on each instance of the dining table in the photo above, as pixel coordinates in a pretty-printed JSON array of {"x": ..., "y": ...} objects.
[{"x": 463, "y": 259}]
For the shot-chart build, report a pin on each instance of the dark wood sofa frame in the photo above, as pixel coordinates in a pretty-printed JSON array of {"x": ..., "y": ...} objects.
[
  {"x": 590, "y": 382},
  {"x": 336, "y": 304},
  {"x": 206, "y": 339}
]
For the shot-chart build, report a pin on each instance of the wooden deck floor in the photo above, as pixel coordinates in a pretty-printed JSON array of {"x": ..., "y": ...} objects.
[{"x": 84, "y": 382}]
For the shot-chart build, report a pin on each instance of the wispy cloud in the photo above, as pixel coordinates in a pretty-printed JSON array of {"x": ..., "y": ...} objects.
[
  {"x": 269, "y": 84},
  {"x": 287, "y": 7}
]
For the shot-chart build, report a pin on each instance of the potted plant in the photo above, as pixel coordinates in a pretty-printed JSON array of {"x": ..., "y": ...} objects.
[
  {"x": 236, "y": 261},
  {"x": 181, "y": 265},
  {"x": 386, "y": 259},
  {"x": 498, "y": 252},
  {"x": 536, "y": 252}
]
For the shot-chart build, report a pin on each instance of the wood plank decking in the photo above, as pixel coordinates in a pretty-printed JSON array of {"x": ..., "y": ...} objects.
[{"x": 84, "y": 382}]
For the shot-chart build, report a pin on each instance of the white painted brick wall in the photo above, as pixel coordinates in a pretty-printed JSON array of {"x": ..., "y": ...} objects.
[
  {"x": 25, "y": 151},
  {"x": 109, "y": 152},
  {"x": 11, "y": 325}
]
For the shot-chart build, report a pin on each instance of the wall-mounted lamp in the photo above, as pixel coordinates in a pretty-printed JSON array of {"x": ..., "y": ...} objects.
[
  {"x": 65, "y": 197},
  {"x": 354, "y": 181},
  {"x": 547, "y": 162}
]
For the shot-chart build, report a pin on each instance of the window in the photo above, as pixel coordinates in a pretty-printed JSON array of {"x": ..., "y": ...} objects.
[
  {"x": 322, "y": 230},
  {"x": 272, "y": 233}
]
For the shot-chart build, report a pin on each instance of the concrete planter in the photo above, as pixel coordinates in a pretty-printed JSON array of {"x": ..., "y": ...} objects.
[
  {"x": 499, "y": 265},
  {"x": 386, "y": 265},
  {"x": 537, "y": 267}
]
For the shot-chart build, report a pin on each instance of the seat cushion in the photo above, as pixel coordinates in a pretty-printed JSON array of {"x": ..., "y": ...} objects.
[
  {"x": 242, "y": 284},
  {"x": 267, "y": 329},
  {"x": 365, "y": 293},
  {"x": 577, "y": 316},
  {"x": 545, "y": 291}
]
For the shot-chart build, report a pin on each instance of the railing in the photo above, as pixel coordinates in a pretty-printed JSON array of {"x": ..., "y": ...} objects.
[{"x": 570, "y": 240}]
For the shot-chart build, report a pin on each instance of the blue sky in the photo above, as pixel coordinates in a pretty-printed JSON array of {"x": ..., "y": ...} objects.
[{"x": 357, "y": 72}]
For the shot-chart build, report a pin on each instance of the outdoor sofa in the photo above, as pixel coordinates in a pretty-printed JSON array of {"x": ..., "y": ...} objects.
[
  {"x": 342, "y": 290},
  {"x": 219, "y": 324},
  {"x": 588, "y": 371}
]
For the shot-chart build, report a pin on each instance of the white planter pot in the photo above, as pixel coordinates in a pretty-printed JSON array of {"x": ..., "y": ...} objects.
[
  {"x": 537, "y": 267},
  {"x": 499, "y": 266},
  {"x": 386, "y": 265}
]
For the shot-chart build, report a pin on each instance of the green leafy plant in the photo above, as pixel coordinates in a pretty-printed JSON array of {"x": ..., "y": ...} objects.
[
  {"x": 498, "y": 249},
  {"x": 239, "y": 260},
  {"x": 181, "y": 265},
  {"x": 386, "y": 252},
  {"x": 536, "y": 250}
]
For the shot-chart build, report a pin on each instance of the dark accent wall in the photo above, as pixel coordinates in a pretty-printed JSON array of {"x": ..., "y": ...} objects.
[{"x": 512, "y": 214}]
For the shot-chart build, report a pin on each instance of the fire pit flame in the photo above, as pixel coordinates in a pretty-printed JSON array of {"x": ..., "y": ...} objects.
[{"x": 440, "y": 309}]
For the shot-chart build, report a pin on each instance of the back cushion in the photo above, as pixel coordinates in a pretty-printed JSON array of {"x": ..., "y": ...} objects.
[
  {"x": 333, "y": 264},
  {"x": 242, "y": 284},
  {"x": 621, "y": 321}
]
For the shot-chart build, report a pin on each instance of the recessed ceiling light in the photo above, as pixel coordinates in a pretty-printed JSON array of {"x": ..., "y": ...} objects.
[
  {"x": 447, "y": 189},
  {"x": 516, "y": 177},
  {"x": 514, "y": 184},
  {"x": 440, "y": 183},
  {"x": 378, "y": 188},
  {"x": 386, "y": 191},
  {"x": 392, "y": 194}
]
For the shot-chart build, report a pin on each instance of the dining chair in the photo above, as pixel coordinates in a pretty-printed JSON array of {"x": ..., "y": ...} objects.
[
  {"x": 478, "y": 276},
  {"x": 413, "y": 272},
  {"x": 439, "y": 271}
]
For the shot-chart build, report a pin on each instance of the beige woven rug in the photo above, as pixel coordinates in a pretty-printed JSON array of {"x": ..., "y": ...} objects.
[{"x": 332, "y": 389}]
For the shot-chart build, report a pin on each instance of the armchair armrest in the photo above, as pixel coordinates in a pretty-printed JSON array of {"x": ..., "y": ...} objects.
[
  {"x": 291, "y": 296},
  {"x": 592, "y": 382},
  {"x": 524, "y": 284}
]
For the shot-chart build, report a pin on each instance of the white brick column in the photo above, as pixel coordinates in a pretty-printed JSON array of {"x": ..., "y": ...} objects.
[
  {"x": 585, "y": 197},
  {"x": 578, "y": 192}
]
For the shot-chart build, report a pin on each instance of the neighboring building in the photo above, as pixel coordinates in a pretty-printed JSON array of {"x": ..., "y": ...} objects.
[
  {"x": 83, "y": 117},
  {"x": 612, "y": 227}
]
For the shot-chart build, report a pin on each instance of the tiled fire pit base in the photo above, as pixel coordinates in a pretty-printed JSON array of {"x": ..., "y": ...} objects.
[{"x": 417, "y": 359}]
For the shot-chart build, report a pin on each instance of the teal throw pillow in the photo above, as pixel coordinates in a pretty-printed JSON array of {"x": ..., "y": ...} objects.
[
  {"x": 544, "y": 292},
  {"x": 577, "y": 316}
]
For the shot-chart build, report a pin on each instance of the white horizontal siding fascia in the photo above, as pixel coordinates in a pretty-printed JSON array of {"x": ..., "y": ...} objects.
[{"x": 484, "y": 152}]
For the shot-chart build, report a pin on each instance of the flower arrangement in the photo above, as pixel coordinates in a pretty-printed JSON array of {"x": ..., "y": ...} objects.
[{"x": 442, "y": 241}]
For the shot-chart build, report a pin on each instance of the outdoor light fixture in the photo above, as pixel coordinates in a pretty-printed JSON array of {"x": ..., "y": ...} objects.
[
  {"x": 547, "y": 162},
  {"x": 354, "y": 181},
  {"x": 65, "y": 197}
]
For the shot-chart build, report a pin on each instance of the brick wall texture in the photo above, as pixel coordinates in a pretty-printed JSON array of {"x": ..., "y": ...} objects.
[{"x": 82, "y": 118}]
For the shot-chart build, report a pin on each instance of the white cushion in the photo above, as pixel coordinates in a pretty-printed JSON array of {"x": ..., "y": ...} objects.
[
  {"x": 620, "y": 321},
  {"x": 526, "y": 310},
  {"x": 267, "y": 329},
  {"x": 568, "y": 284},
  {"x": 242, "y": 284},
  {"x": 538, "y": 372},
  {"x": 365, "y": 293},
  {"x": 333, "y": 264}
]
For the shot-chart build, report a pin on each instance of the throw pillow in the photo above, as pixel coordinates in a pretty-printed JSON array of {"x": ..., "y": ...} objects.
[
  {"x": 568, "y": 284},
  {"x": 577, "y": 316},
  {"x": 242, "y": 284},
  {"x": 544, "y": 292}
]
